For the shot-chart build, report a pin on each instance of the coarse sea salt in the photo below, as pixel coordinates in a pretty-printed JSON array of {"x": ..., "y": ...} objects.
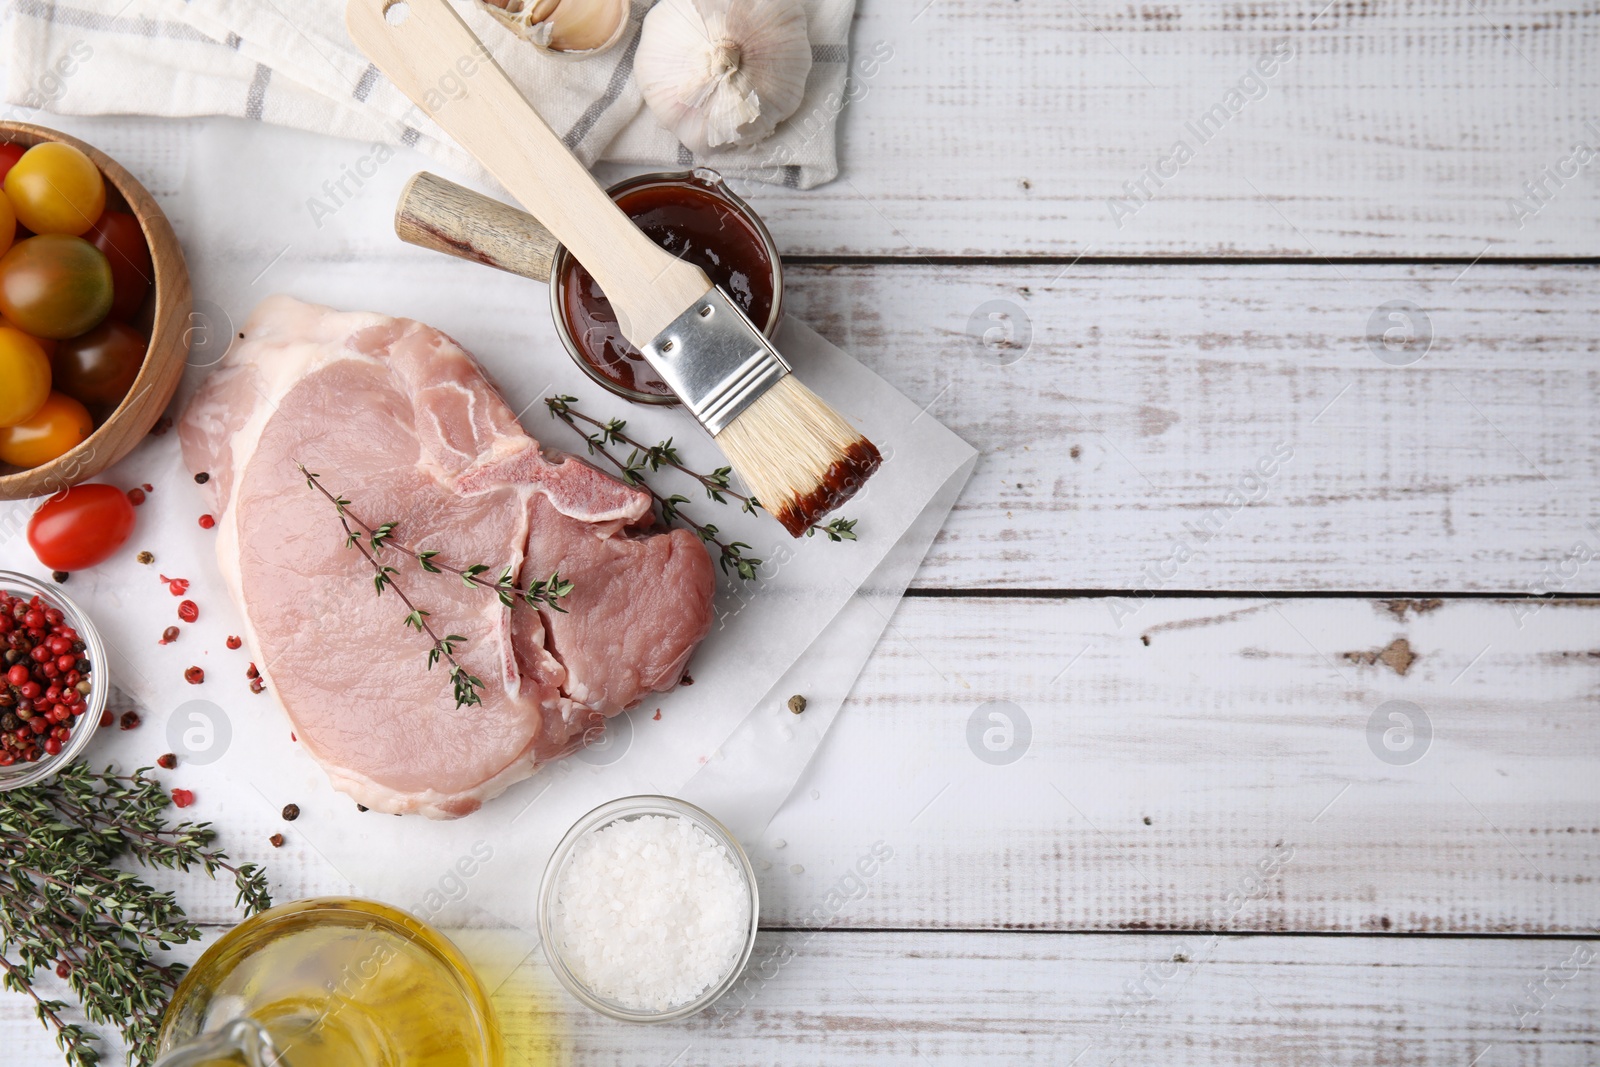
[{"x": 650, "y": 912}]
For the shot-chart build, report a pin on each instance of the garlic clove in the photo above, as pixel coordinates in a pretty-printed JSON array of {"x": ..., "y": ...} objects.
[
  {"x": 587, "y": 25},
  {"x": 563, "y": 27},
  {"x": 722, "y": 73}
]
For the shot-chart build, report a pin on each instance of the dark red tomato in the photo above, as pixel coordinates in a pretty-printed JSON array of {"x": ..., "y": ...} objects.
[
  {"x": 9, "y": 154},
  {"x": 80, "y": 527},
  {"x": 119, "y": 236},
  {"x": 98, "y": 368}
]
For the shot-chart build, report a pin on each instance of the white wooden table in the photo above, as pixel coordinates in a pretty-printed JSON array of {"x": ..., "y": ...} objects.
[{"x": 1294, "y": 766}]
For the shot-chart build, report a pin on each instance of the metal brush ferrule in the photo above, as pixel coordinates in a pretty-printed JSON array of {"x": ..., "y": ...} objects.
[{"x": 715, "y": 359}]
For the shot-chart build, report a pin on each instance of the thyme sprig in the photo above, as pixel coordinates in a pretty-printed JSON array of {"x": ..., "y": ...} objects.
[
  {"x": 665, "y": 454},
  {"x": 67, "y": 908},
  {"x": 371, "y": 540}
]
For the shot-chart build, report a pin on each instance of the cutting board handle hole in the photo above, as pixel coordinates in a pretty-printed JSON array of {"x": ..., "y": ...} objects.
[{"x": 395, "y": 12}]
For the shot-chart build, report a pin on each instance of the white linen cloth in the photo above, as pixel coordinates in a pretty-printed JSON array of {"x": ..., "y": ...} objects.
[{"x": 290, "y": 62}]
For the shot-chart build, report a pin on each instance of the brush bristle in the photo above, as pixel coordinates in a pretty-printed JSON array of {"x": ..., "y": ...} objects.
[{"x": 797, "y": 455}]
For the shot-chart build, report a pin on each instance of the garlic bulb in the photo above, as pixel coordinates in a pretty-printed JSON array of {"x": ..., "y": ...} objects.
[
  {"x": 572, "y": 27},
  {"x": 719, "y": 73}
]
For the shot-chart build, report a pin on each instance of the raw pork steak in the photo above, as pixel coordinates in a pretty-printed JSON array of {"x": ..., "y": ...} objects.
[{"x": 397, "y": 418}]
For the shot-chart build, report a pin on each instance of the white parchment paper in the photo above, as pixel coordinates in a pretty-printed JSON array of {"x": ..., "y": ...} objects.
[{"x": 807, "y": 625}]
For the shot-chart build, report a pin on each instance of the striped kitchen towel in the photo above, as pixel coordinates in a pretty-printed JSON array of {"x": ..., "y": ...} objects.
[{"x": 290, "y": 62}]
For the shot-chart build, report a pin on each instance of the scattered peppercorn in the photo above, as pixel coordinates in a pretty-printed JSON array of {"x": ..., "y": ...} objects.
[
  {"x": 194, "y": 675},
  {"x": 146, "y": 558},
  {"x": 136, "y": 496},
  {"x": 169, "y": 635},
  {"x": 177, "y": 586},
  {"x": 277, "y": 840},
  {"x": 106, "y": 718},
  {"x": 63, "y": 969},
  {"x": 183, "y": 797},
  {"x": 131, "y": 720},
  {"x": 657, "y": 715},
  {"x": 148, "y": 487},
  {"x": 234, "y": 642},
  {"x": 251, "y": 672},
  {"x": 797, "y": 703},
  {"x": 202, "y": 478},
  {"x": 188, "y": 611},
  {"x": 291, "y": 812},
  {"x": 207, "y": 521},
  {"x": 686, "y": 680},
  {"x": 163, "y": 424},
  {"x": 167, "y": 761},
  {"x": 257, "y": 685},
  {"x": 362, "y": 807}
]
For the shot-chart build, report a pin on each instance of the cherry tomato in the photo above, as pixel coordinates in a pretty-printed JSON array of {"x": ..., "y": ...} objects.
[
  {"x": 80, "y": 527},
  {"x": 119, "y": 235},
  {"x": 58, "y": 427},
  {"x": 9, "y": 154},
  {"x": 56, "y": 189},
  {"x": 99, "y": 367},
  {"x": 8, "y": 223},
  {"x": 24, "y": 377},
  {"x": 55, "y": 286},
  {"x": 46, "y": 343}
]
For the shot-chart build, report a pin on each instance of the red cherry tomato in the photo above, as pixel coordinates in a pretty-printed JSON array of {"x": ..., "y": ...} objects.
[
  {"x": 119, "y": 235},
  {"x": 80, "y": 527},
  {"x": 9, "y": 154}
]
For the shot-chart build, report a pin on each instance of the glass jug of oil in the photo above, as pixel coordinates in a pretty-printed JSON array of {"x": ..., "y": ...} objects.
[{"x": 331, "y": 982}]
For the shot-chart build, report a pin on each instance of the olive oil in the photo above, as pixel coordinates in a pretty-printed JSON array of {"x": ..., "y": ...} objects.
[{"x": 339, "y": 982}]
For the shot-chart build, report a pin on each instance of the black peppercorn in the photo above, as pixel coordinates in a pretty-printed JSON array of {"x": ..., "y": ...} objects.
[{"x": 291, "y": 812}]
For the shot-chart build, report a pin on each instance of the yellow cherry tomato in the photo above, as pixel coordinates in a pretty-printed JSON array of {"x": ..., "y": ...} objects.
[
  {"x": 54, "y": 430},
  {"x": 46, "y": 343},
  {"x": 8, "y": 222},
  {"x": 24, "y": 376},
  {"x": 54, "y": 188}
]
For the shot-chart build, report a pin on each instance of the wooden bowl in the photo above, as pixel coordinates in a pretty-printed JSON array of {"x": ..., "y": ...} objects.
[{"x": 165, "y": 318}]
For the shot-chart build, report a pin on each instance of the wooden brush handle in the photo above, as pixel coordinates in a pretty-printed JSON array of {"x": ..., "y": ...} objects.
[
  {"x": 436, "y": 213},
  {"x": 435, "y": 60}
]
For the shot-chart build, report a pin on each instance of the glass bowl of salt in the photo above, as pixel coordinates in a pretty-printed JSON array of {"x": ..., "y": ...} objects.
[{"x": 648, "y": 909}]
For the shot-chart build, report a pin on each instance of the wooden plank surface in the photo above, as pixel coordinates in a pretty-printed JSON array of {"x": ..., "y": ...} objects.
[
  {"x": 1231, "y": 774},
  {"x": 1092, "y": 1000},
  {"x": 1196, "y": 765},
  {"x": 1125, "y": 425},
  {"x": 1399, "y": 130}
]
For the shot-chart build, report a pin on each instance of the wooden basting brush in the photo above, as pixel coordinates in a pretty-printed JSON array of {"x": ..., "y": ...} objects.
[{"x": 797, "y": 455}]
